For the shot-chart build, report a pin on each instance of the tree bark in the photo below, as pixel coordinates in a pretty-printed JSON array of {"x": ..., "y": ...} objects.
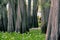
[
  {"x": 18, "y": 21},
  {"x": 23, "y": 15},
  {"x": 5, "y": 21},
  {"x": 35, "y": 10},
  {"x": 29, "y": 14},
  {"x": 52, "y": 30},
  {"x": 10, "y": 27},
  {"x": 3, "y": 16}
]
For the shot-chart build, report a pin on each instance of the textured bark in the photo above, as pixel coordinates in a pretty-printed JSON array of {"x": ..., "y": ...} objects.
[
  {"x": 10, "y": 27},
  {"x": 23, "y": 15},
  {"x": 52, "y": 30},
  {"x": 13, "y": 3},
  {"x": 18, "y": 21},
  {"x": 29, "y": 14},
  {"x": 3, "y": 16},
  {"x": 35, "y": 9}
]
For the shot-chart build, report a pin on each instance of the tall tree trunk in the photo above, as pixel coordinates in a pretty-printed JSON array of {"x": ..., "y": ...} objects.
[
  {"x": 35, "y": 9},
  {"x": 29, "y": 14},
  {"x": 10, "y": 27},
  {"x": 4, "y": 15},
  {"x": 1, "y": 18},
  {"x": 52, "y": 30},
  {"x": 13, "y": 3},
  {"x": 18, "y": 21},
  {"x": 24, "y": 16}
]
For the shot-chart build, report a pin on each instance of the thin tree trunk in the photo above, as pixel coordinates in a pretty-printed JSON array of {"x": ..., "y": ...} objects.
[
  {"x": 29, "y": 14},
  {"x": 4, "y": 15},
  {"x": 35, "y": 10},
  {"x": 59, "y": 20},
  {"x": 1, "y": 18}
]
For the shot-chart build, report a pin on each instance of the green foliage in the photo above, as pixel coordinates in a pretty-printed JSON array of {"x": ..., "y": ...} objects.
[
  {"x": 32, "y": 35},
  {"x": 45, "y": 5}
]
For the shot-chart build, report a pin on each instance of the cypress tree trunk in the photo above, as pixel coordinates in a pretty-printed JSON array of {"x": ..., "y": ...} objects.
[
  {"x": 4, "y": 15},
  {"x": 1, "y": 18},
  {"x": 13, "y": 3},
  {"x": 10, "y": 27},
  {"x": 52, "y": 30},
  {"x": 18, "y": 21},
  {"x": 35, "y": 9},
  {"x": 29, "y": 14},
  {"x": 23, "y": 15}
]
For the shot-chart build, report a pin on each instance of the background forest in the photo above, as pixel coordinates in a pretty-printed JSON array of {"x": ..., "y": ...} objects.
[{"x": 29, "y": 20}]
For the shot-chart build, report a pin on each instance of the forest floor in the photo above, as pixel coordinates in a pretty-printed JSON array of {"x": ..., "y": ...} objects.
[
  {"x": 33, "y": 34},
  {"x": 38, "y": 28}
]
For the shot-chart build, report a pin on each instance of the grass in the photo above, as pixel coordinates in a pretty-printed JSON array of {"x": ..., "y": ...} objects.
[{"x": 32, "y": 35}]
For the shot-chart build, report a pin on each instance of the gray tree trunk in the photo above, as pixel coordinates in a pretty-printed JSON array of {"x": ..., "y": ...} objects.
[
  {"x": 4, "y": 14},
  {"x": 35, "y": 10},
  {"x": 10, "y": 27},
  {"x": 18, "y": 21},
  {"x": 29, "y": 14},
  {"x": 23, "y": 15},
  {"x": 1, "y": 18},
  {"x": 52, "y": 30}
]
